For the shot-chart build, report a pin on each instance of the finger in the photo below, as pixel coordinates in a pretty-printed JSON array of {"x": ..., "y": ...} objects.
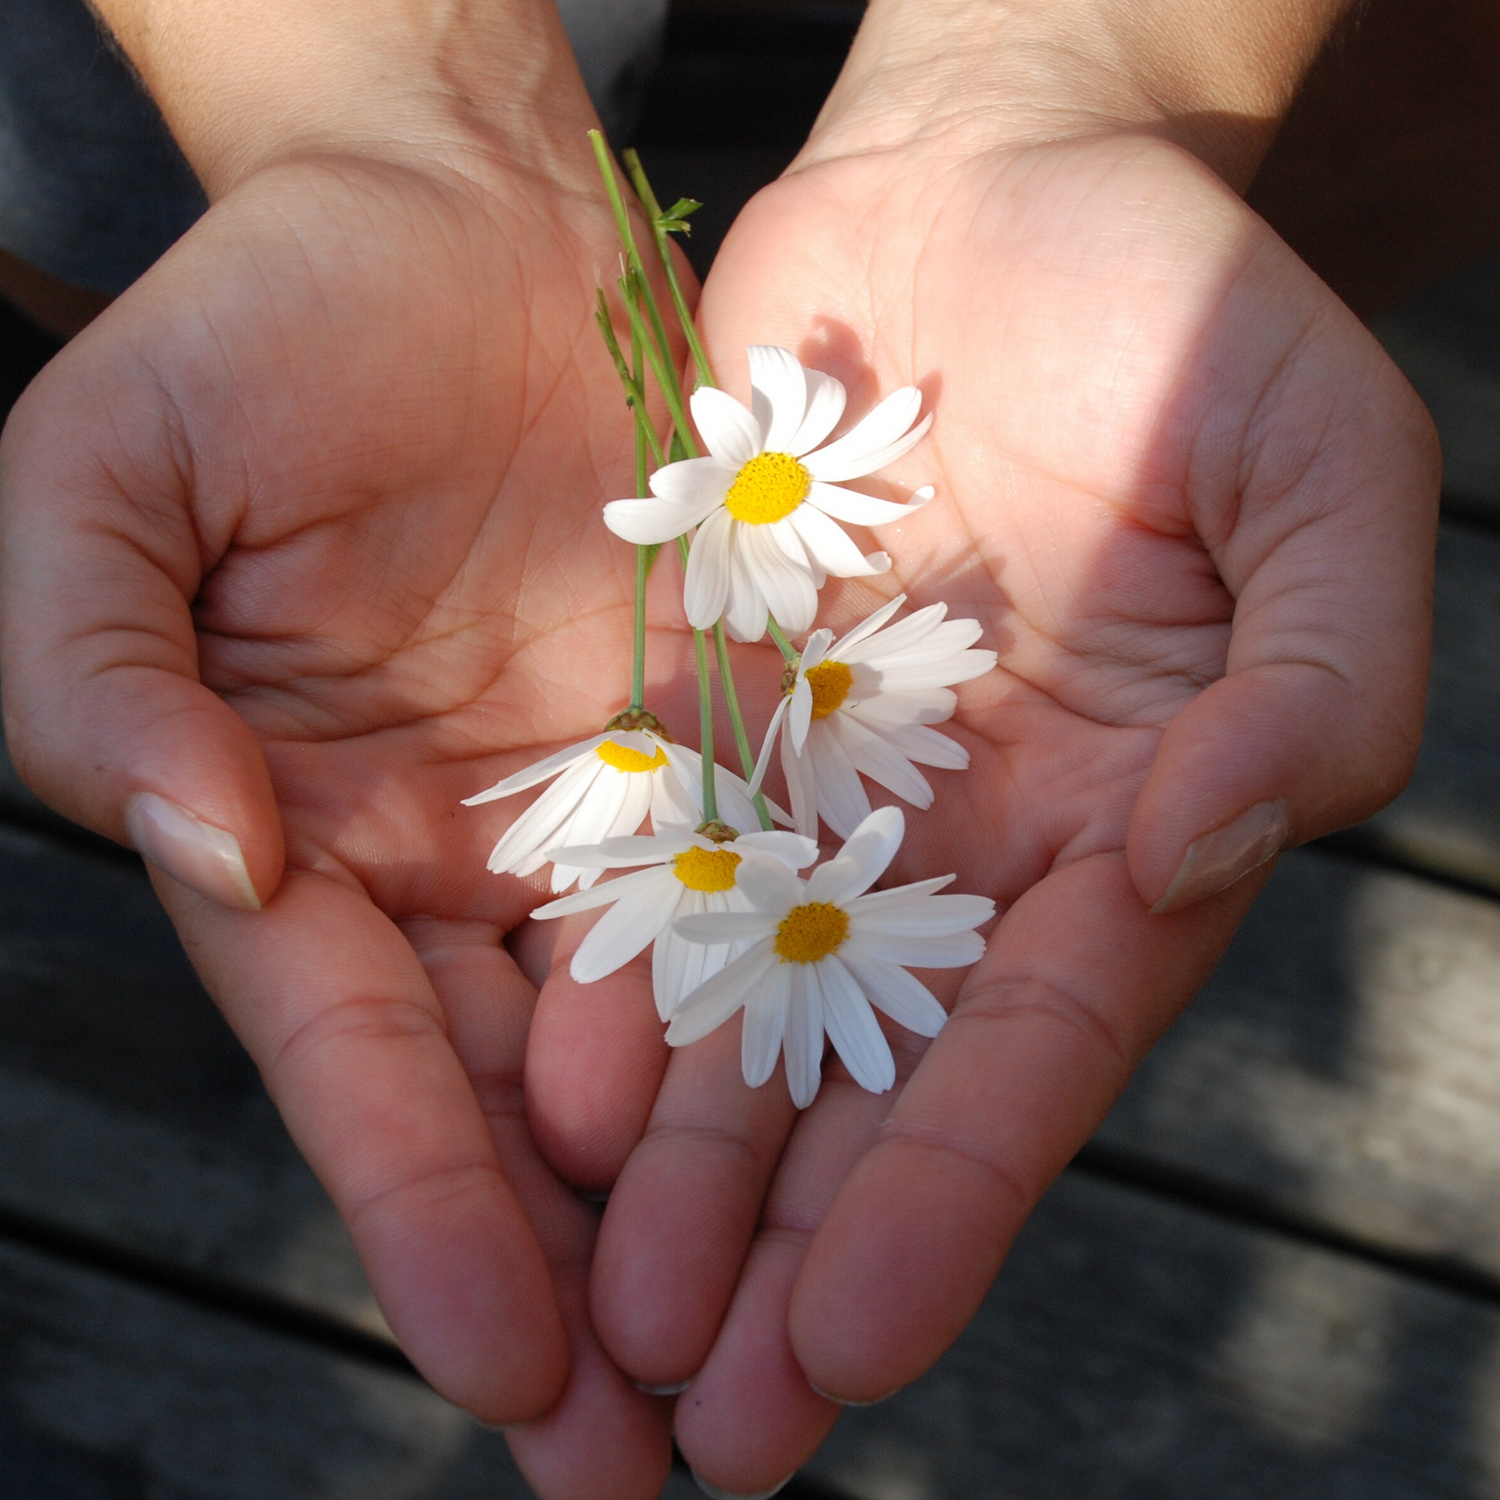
[
  {"x": 1078, "y": 981},
  {"x": 104, "y": 712},
  {"x": 681, "y": 1217},
  {"x": 594, "y": 1062},
  {"x": 1328, "y": 554},
  {"x": 603, "y": 1437},
  {"x": 334, "y": 1007},
  {"x": 750, "y": 1417}
]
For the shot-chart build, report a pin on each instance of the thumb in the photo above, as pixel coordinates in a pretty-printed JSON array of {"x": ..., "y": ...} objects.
[
  {"x": 1318, "y": 718},
  {"x": 101, "y": 556}
]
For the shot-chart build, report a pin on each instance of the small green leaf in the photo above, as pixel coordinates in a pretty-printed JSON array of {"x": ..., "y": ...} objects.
[{"x": 675, "y": 219}]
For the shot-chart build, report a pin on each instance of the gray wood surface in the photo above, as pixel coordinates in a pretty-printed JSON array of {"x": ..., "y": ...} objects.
[
  {"x": 109, "y": 1391},
  {"x": 128, "y": 1111},
  {"x": 1135, "y": 1350},
  {"x": 1343, "y": 1063}
]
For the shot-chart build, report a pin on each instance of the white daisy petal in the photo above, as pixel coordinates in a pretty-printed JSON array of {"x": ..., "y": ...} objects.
[
  {"x": 733, "y": 796},
  {"x": 879, "y": 440},
  {"x": 921, "y": 916},
  {"x": 729, "y": 430},
  {"x": 799, "y": 713},
  {"x": 794, "y": 851},
  {"x": 804, "y": 1035},
  {"x": 622, "y": 853},
  {"x": 551, "y": 765},
  {"x": 874, "y": 844},
  {"x": 706, "y": 585},
  {"x": 816, "y": 649},
  {"x": 627, "y": 927},
  {"x": 776, "y": 375},
  {"x": 763, "y": 764},
  {"x": 833, "y": 547},
  {"x": 825, "y": 405},
  {"x": 678, "y": 967},
  {"x": 901, "y": 894},
  {"x": 717, "y": 998},
  {"x": 905, "y": 634},
  {"x": 675, "y": 791},
  {"x": 786, "y": 587},
  {"x": 853, "y": 1029},
  {"x": 764, "y": 1026},
  {"x": 846, "y": 647},
  {"x": 726, "y": 926},
  {"x": 769, "y": 886},
  {"x": 690, "y": 480},
  {"x": 598, "y": 895},
  {"x": 873, "y": 756},
  {"x": 842, "y": 801},
  {"x": 594, "y": 818},
  {"x": 802, "y": 788},
  {"x": 647, "y": 522},
  {"x": 909, "y": 706},
  {"x": 745, "y": 608},
  {"x": 902, "y": 996},
  {"x": 529, "y": 836},
  {"x": 927, "y": 747},
  {"x": 862, "y": 510},
  {"x": 917, "y": 952}
]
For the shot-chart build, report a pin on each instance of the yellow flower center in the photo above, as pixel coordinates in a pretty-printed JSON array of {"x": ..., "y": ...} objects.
[
  {"x": 769, "y": 488},
  {"x": 623, "y": 758},
  {"x": 830, "y": 682},
  {"x": 706, "y": 869},
  {"x": 808, "y": 933}
]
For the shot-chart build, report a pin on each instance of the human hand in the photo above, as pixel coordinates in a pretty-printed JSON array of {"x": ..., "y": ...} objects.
[
  {"x": 1193, "y": 505},
  {"x": 301, "y": 538}
]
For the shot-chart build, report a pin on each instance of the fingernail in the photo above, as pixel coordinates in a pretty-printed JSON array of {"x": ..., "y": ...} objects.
[
  {"x": 204, "y": 858},
  {"x": 675, "y": 1389},
  {"x": 1219, "y": 858},
  {"x": 852, "y": 1405},
  {"x": 715, "y": 1493}
]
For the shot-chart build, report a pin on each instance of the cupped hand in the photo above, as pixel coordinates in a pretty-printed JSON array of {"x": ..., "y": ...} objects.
[
  {"x": 301, "y": 540},
  {"x": 1193, "y": 506}
]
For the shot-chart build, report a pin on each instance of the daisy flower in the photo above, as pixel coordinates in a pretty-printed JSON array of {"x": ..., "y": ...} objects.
[
  {"x": 861, "y": 706},
  {"x": 605, "y": 786},
  {"x": 822, "y": 953},
  {"x": 766, "y": 500},
  {"x": 686, "y": 874}
]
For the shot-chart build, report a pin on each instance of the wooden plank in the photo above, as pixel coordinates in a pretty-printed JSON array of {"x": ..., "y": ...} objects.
[
  {"x": 1448, "y": 819},
  {"x": 1447, "y": 341},
  {"x": 1134, "y": 1350},
  {"x": 109, "y": 1391},
  {"x": 1343, "y": 1063},
  {"x": 128, "y": 1110}
]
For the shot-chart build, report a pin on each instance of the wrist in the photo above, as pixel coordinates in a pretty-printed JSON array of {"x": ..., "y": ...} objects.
[
  {"x": 245, "y": 84},
  {"x": 1214, "y": 76}
]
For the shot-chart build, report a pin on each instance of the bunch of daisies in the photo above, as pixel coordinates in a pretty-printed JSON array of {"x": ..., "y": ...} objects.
[{"x": 716, "y": 889}]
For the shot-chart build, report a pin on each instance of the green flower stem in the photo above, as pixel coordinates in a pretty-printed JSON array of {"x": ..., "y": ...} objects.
[
  {"x": 666, "y": 376},
  {"x": 632, "y": 251},
  {"x": 634, "y": 388},
  {"x": 747, "y": 756},
  {"x": 706, "y": 728},
  {"x": 644, "y": 555},
  {"x": 664, "y": 251},
  {"x": 788, "y": 651}
]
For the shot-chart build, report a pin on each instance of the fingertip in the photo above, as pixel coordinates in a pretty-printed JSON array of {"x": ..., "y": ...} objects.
[{"x": 470, "y": 1299}]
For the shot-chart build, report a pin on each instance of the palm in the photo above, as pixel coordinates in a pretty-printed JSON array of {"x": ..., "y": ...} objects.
[
  {"x": 399, "y": 424},
  {"x": 1137, "y": 391}
]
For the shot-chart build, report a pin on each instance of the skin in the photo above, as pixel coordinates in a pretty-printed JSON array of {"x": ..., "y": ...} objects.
[{"x": 303, "y": 534}]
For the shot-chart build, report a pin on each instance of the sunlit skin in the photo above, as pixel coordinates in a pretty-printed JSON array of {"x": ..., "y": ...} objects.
[
  {"x": 1163, "y": 451},
  {"x": 341, "y": 456}
]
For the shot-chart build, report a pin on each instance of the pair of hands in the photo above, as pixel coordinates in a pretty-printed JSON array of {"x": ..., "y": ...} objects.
[{"x": 303, "y": 535}]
